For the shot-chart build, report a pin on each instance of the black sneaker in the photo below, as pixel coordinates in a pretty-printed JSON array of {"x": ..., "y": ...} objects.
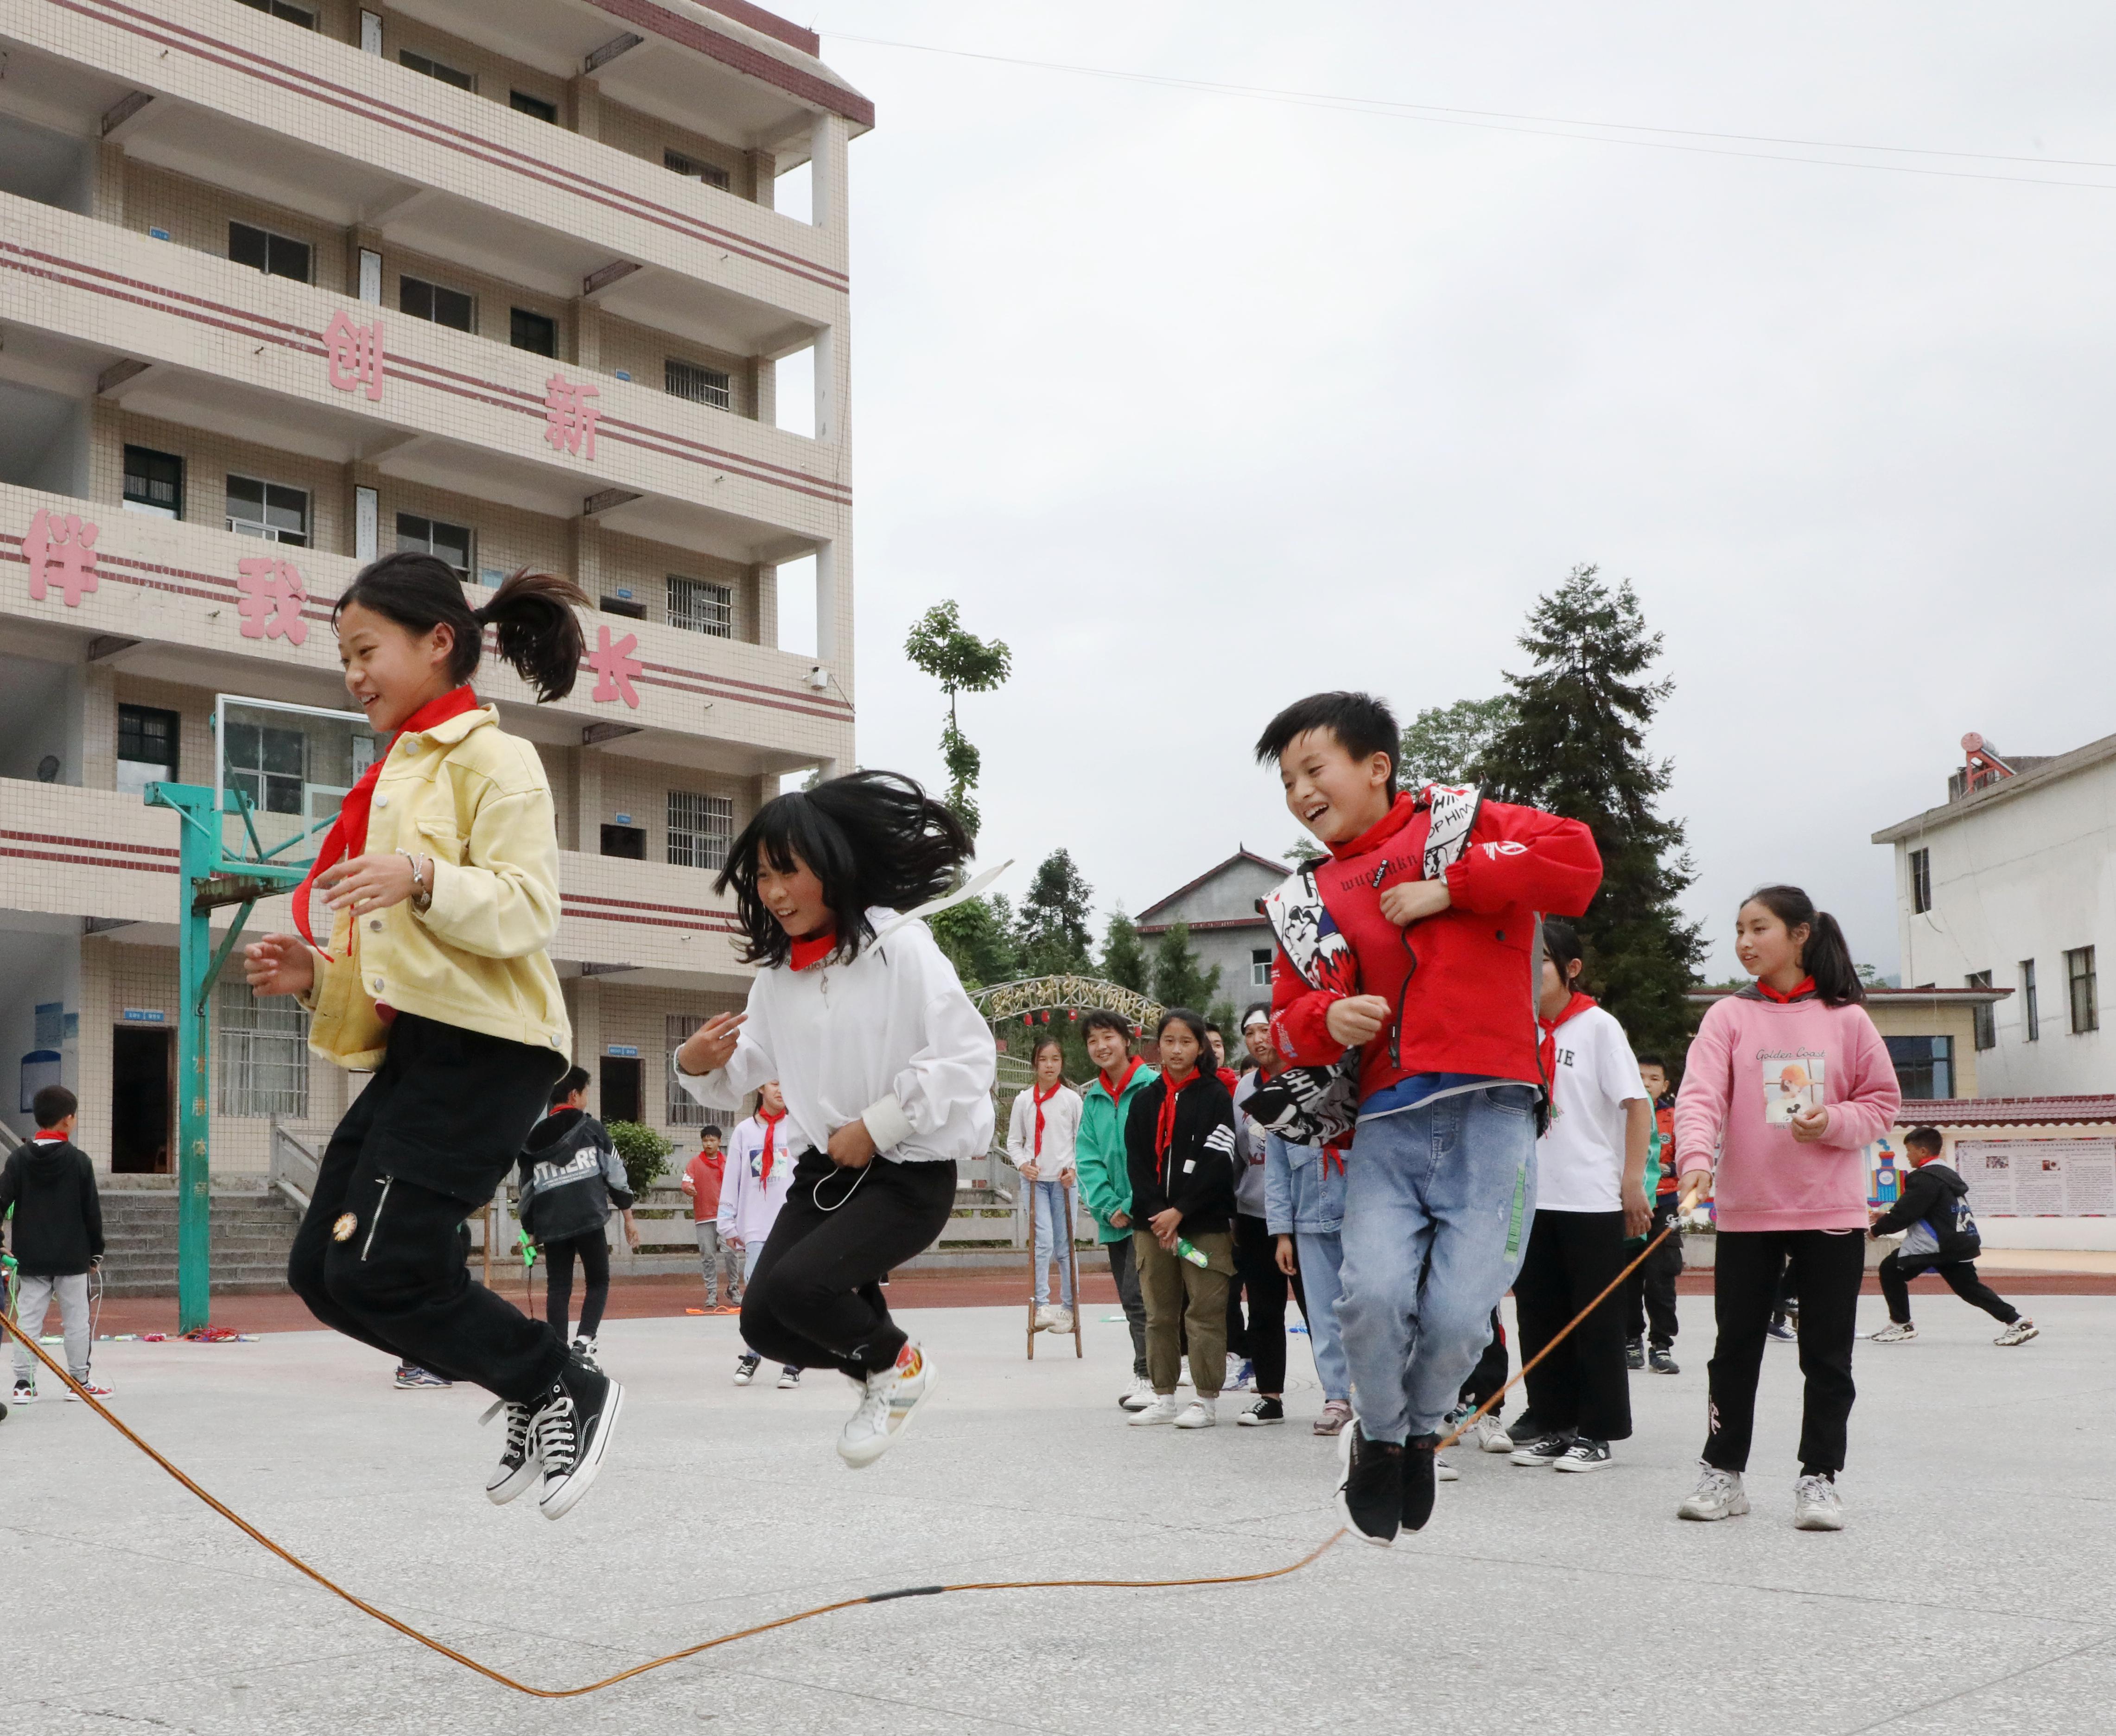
[
  {"x": 1544, "y": 1450},
  {"x": 1370, "y": 1494},
  {"x": 745, "y": 1369},
  {"x": 1263, "y": 1411},
  {"x": 1781, "y": 1329},
  {"x": 517, "y": 1467},
  {"x": 1583, "y": 1454},
  {"x": 572, "y": 1429},
  {"x": 1419, "y": 1469},
  {"x": 1661, "y": 1361},
  {"x": 1635, "y": 1353}
]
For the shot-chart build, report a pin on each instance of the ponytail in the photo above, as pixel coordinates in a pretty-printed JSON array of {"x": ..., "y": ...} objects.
[
  {"x": 1826, "y": 957},
  {"x": 531, "y": 615}
]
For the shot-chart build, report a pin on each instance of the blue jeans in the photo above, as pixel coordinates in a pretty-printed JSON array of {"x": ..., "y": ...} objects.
[
  {"x": 1049, "y": 1198},
  {"x": 1439, "y": 1201},
  {"x": 1321, "y": 1256}
]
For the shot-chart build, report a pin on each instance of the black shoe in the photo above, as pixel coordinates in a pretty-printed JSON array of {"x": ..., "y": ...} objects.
[
  {"x": 517, "y": 1468},
  {"x": 1779, "y": 1330},
  {"x": 1418, "y": 1481},
  {"x": 1370, "y": 1494},
  {"x": 573, "y": 1430},
  {"x": 1524, "y": 1429},
  {"x": 1662, "y": 1360},
  {"x": 1544, "y": 1451},
  {"x": 1263, "y": 1411},
  {"x": 1635, "y": 1353}
]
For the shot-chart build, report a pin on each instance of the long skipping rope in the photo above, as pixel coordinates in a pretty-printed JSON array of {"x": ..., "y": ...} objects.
[{"x": 505, "y": 1680}]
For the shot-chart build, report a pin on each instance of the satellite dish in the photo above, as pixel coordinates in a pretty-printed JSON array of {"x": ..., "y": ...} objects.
[
  {"x": 1972, "y": 742},
  {"x": 47, "y": 768}
]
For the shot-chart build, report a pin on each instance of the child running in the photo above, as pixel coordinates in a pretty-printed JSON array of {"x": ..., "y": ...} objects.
[
  {"x": 1650, "y": 1322},
  {"x": 1041, "y": 1135},
  {"x": 1120, "y": 1077},
  {"x": 1943, "y": 1240},
  {"x": 570, "y": 1175},
  {"x": 761, "y": 1164},
  {"x": 886, "y": 1068},
  {"x": 441, "y": 877},
  {"x": 1790, "y": 1186}
]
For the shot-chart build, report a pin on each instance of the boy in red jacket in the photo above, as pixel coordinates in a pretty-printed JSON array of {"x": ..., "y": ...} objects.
[{"x": 1419, "y": 947}]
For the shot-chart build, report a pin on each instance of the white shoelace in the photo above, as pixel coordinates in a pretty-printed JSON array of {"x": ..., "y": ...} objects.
[
  {"x": 518, "y": 1417},
  {"x": 873, "y": 1412},
  {"x": 556, "y": 1444}
]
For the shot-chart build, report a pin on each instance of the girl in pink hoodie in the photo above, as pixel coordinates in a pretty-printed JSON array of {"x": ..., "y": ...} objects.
[{"x": 1788, "y": 1080}]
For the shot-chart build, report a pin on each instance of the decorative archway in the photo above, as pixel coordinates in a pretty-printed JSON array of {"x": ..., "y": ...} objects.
[{"x": 1027, "y": 994}]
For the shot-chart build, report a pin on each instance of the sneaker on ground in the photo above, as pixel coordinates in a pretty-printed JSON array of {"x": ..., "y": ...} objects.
[
  {"x": 518, "y": 1467},
  {"x": 1524, "y": 1429},
  {"x": 1661, "y": 1360},
  {"x": 1584, "y": 1455},
  {"x": 1138, "y": 1395},
  {"x": 1635, "y": 1353},
  {"x": 1816, "y": 1506},
  {"x": 412, "y": 1378},
  {"x": 588, "y": 1351},
  {"x": 1241, "y": 1374},
  {"x": 1161, "y": 1410},
  {"x": 1896, "y": 1332},
  {"x": 1183, "y": 1372},
  {"x": 1488, "y": 1435},
  {"x": 24, "y": 1393},
  {"x": 2019, "y": 1332},
  {"x": 1370, "y": 1488},
  {"x": 1336, "y": 1414},
  {"x": 1718, "y": 1495},
  {"x": 573, "y": 1428},
  {"x": 1781, "y": 1330},
  {"x": 1545, "y": 1449},
  {"x": 89, "y": 1388},
  {"x": 1061, "y": 1320},
  {"x": 1421, "y": 1470},
  {"x": 789, "y": 1377},
  {"x": 745, "y": 1369},
  {"x": 1201, "y": 1412},
  {"x": 885, "y": 1407},
  {"x": 1442, "y": 1472},
  {"x": 1262, "y": 1412}
]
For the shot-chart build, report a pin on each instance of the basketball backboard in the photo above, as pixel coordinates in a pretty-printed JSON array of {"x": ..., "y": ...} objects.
[{"x": 281, "y": 771}]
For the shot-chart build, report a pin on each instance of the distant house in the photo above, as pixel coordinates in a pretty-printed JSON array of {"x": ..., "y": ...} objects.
[{"x": 1225, "y": 930}]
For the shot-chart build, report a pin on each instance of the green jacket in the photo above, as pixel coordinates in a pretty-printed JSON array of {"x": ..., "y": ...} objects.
[{"x": 1098, "y": 1155}]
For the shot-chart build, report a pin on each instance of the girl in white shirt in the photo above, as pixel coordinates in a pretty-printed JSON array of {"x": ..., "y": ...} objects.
[
  {"x": 1040, "y": 1138},
  {"x": 886, "y": 1068}
]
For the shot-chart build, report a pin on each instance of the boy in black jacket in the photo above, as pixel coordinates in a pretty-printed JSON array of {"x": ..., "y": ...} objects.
[
  {"x": 569, "y": 1175},
  {"x": 1943, "y": 1238},
  {"x": 1178, "y": 1150},
  {"x": 57, "y": 1235}
]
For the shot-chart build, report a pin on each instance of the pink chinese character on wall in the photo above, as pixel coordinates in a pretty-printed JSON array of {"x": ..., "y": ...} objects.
[
  {"x": 60, "y": 551},
  {"x": 614, "y": 665},
  {"x": 272, "y": 599},
  {"x": 353, "y": 354},
  {"x": 569, "y": 417}
]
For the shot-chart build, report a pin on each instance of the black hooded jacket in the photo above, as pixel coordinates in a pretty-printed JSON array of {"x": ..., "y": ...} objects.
[
  {"x": 59, "y": 1216},
  {"x": 569, "y": 1174},
  {"x": 1198, "y": 1175},
  {"x": 1935, "y": 1195}
]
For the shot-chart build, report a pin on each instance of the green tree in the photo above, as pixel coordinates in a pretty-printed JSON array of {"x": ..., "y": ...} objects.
[
  {"x": 1442, "y": 742},
  {"x": 643, "y": 1152},
  {"x": 962, "y": 663},
  {"x": 1052, "y": 931},
  {"x": 1178, "y": 980},
  {"x": 1577, "y": 746},
  {"x": 1124, "y": 956},
  {"x": 978, "y": 936}
]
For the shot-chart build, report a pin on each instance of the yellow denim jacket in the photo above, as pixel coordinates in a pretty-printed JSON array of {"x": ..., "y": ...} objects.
[{"x": 474, "y": 799}]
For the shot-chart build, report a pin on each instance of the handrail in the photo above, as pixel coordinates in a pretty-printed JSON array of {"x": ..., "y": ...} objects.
[
  {"x": 10, "y": 1140},
  {"x": 294, "y": 1167}
]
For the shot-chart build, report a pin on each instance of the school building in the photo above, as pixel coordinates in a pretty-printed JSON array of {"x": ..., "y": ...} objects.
[{"x": 286, "y": 284}]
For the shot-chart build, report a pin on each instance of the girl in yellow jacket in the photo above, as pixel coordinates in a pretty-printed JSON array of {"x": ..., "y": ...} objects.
[{"x": 440, "y": 881}]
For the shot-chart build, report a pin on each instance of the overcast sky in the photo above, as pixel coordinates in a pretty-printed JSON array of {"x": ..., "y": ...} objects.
[{"x": 1204, "y": 402}]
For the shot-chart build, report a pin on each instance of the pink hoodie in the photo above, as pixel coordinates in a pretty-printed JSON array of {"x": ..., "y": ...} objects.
[{"x": 1753, "y": 1063}]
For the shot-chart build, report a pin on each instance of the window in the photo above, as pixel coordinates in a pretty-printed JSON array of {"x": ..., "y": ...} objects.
[
  {"x": 435, "y": 69},
  {"x": 2079, "y": 980},
  {"x": 522, "y": 103},
  {"x": 2031, "y": 1015},
  {"x": 154, "y": 483},
  {"x": 1925, "y": 1066},
  {"x": 536, "y": 331},
  {"x": 266, "y": 766},
  {"x": 300, "y": 14},
  {"x": 699, "y": 606},
  {"x": 267, "y": 510},
  {"x": 700, "y": 385},
  {"x": 275, "y": 255},
  {"x": 431, "y": 536},
  {"x": 1985, "y": 1017},
  {"x": 700, "y": 829},
  {"x": 691, "y": 169},
  {"x": 627, "y": 842},
  {"x": 683, "y": 1110},
  {"x": 424, "y": 301},
  {"x": 1260, "y": 968},
  {"x": 1921, "y": 881},
  {"x": 146, "y": 747},
  {"x": 263, "y": 1049}
]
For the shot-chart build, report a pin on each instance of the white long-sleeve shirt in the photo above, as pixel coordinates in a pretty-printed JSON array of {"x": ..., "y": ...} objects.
[
  {"x": 889, "y": 1039},
  {"x": 749, "y": 1199},
  {"x": 1062, "y": 1130}
]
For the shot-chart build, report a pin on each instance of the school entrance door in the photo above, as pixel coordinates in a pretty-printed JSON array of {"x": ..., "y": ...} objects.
[
  {"x": 143, "y": 1072},
  {"x": 621, "y": 1088}
]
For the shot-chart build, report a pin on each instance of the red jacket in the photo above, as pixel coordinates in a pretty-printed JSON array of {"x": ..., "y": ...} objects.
[{"x": 1462, "y": 980}]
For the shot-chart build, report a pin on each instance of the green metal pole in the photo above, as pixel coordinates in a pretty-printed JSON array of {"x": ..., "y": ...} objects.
[{"x": 198, "y": 838}]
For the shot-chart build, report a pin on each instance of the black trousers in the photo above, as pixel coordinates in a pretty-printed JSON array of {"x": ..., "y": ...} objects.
[
  {"x": 814, "y": 1299},
  {"x": 1583, "y": 1383},
  {"x": 593, "y": 1251},
  {"x": 1650, "y": 1291},
  {"x": 1824, "y": 1267},
  {"x": 1959, "y": 1275},
  {"x": 1490, "y": 1373},
  {"x": 1124, "y": 1268},
  {"x": 1256, "y": 1260},
  {"x": 380, "y": 1255}
]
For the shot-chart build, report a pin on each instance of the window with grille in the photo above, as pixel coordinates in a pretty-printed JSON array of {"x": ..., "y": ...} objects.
[
  {"x": 424, "y": 301},
  {"x": 1925, "y": 1066},
  {"x": 691, "y": 169},
  {"x": 146, "y": 747},
  {"x": 1921, "y": 881},
  {"x": 2079, "y": 979},
  {"x": 1260, "y": 968},
  {"x": 2031, "y": 1015},
  {"x": 1983, "y": 1018},
  {"x": 699, "y": 606},
  {"x": 267, "y": 510},
  {"x": 684, "y": 1111},
  {"x": 262, "y": 1050},
  {"x": 699, "y": 384},
  {"x": 432, "y": 68},
  {"x": 431, "y": 536},
  {"x": 276, "y": 256},
  {"x": 535, "y": 332},
  {"x": 154, "y": 483},
  {"x": 300, "y": 14},
  {"x": 700, "y": 829}
]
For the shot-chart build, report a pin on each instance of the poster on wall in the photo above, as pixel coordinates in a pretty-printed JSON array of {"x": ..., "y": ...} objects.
[{"x": 2038, "y": 1178}]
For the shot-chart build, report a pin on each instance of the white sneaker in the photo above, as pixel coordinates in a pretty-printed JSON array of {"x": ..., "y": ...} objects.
[
  {"x": 1718, "y": 1495},
  {"x": 1044, "y": 1311},
  {"x": 1137, "y": 1396},
  {"x": 585, "y": 1350},
  {"x": 1896, "y": 1332},
  {"x": 1061, "y": 1320},
  {"x": 1202, "y": 1413},
  {"x": 1488, "y": 1435},
  {"x": 1183, "y": 1372},
  {"x": 2019, "y": 1332},
  {"x": 885, "y": 1407},
  {"x": 1816, "y": 1505},
  {"x": 1442, "y": 1472},
  {"x": 1161, "y": 1410}
]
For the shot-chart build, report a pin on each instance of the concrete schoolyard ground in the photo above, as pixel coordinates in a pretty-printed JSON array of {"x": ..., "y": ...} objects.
[{"x": 1974, "y": 1588}]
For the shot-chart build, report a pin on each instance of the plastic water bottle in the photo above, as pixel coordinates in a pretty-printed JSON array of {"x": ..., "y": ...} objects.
[{"x": 1185, "y": 1251}]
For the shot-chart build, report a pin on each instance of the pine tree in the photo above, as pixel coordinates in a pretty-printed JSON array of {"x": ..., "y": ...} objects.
[
  {"x": 1442, "y": 742},
  {"x": 1124, "y": 958},
  {"x": 1178, "y": 979},
  {"x": 1051, "y": 931},
  {"x": 1576, "y": 747}
]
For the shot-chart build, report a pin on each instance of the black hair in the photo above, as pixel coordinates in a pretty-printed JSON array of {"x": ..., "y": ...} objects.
[
  {"x": 532, "y": 613},
  {"x": 1194, "y": 1021},
  {"x": 1047, "y": 1040},
  {"x": 1925, "y": 1139},
  {"x": 1561, "y": 946},
  {"x": 576, "y": 1080},
  {"x": 1363, "y": 725},
  {"x": 1212, "y": 1026},
  {"x": 1102, "y": 1019},
  {"x": 52, "y": 1103},
  {"x": 710, "y": 1132},
  {"x": 1825, "y": 957},
  {"x": 1651, "y": 1060},
  {"x": 872, "y": 838}
]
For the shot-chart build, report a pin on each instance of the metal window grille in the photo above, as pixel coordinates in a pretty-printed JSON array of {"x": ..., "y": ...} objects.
[
  {"x": 2079, "y": 979},
  {"x": 1921, "y": 881},
  {"x": 153, "y": 482},
  {"x": 684, "y": 1111},
  {"x": 700, "y": 829},
  {"x": 701, "y": 385},
  {"x": 1985, "y": 1019},
  {"x": 262, "y": 1047},
  {"x": 691, "y": 169},
  {"x": 699, "y": 606},
  {"x": 2031, "y": 1016}
]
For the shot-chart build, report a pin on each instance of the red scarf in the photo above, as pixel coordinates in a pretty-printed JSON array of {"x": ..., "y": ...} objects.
[
  {"x": 1546, "y": 1053},
  {"x": 353, "y": 812},
  {"x": 1805, "y": 985},
  {"x": 1164, "y": 1126},
  {"x": 1042, "y": 1098},
  {"x": 815, "y": 948},
  {"x": 1132, "y": 1065},
  {"x": 771, "y": 1140}
]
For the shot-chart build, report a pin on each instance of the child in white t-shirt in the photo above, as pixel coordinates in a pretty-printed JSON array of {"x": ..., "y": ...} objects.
[
  {"x": 1040, "y": 1138},
  {"x": 1589, "y": 1195}
]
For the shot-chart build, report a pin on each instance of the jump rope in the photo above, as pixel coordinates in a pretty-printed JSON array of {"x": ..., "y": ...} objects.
[{"x": 505, "y": 1680}]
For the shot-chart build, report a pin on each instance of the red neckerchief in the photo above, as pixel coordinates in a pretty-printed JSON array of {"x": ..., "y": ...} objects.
[
  {"x": 353, "y": 812},
  {"x": 771, "y": 1138},
  {"x": 1228, "y": 1077},
  {"x": 1042, "y": 1098},
  {"x": 814, "y": 949},
  {"x": 44, "y": 1136},
  {"x": 1545, "y": 1053},
  {"x": 1805, "y": 985},
  {"x": 1132, "y": 1065},
  {"x": 1163, "y": 1125},
  {"x": 1333, "y": 1154}
]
